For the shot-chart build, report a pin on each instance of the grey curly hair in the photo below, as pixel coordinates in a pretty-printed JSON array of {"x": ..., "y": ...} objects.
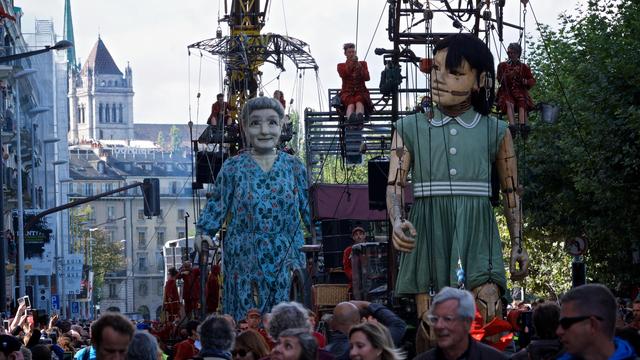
[{"x": 288, "y": 315}]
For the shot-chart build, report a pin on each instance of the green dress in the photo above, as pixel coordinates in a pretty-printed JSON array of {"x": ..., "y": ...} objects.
[{"x": 451, "y": 177}]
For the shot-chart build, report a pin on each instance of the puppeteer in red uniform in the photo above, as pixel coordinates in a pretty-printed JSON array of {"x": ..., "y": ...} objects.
[
  {"x": 171, "y": 300},
  {"x": 220, "y": 110},
  {"x": 354, "y": 94},
  {"x": 190, "y": 287},
  {"x": 213, "y": 290},
  {"x": 515, "y": 80}
]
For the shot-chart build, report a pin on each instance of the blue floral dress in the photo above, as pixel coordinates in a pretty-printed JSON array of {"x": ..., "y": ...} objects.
[{"x": 265, "y": 212}]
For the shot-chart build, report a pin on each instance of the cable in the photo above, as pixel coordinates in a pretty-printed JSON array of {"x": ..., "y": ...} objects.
[{"x": 375, "y": 31}]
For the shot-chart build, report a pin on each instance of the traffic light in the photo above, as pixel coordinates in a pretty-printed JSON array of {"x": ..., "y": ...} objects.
[{"x": 151, "y": 196}]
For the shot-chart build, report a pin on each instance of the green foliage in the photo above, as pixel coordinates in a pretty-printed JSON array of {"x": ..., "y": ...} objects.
[
  {"x": 175, "y": 138},
  {"x": 582, "y": 172},
  {"x": 160, "y": 140}
]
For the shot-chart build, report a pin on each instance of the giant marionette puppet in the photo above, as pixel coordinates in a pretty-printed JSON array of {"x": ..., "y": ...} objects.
[
  {"x": 451, "y": 237},
  {"x": 262, "y": 194}
]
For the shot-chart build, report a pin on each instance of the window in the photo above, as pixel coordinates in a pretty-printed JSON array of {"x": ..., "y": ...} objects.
[
  {"x": 180, "y": 233},
  {"x": 140, "y": 214},
  {"x": 174, "y": 187},
  {"x": 159, "y": 261},
  {"x": 107, "y": 114},
  {"x": 160, "y": 238},
  {"x": 108, "y": 187},
  {"x": 111, "y": 210},
  {"x": 113, "y": 113},
  {"x": 82, "y": 113},
  {"x": 143, "y": 288},
  {"x": 181, "y": 213},
  {"x": 88, "y": 189},
  {"x": 160, "y": 288},
  {"x": 142, "y": 261},
  {"x": 113, "y": 291},
  {"x": 120, "y": 113},
  {"x": 142, "y": 239},
  {"x": 100, "y": 113},
  {"x": 78, "y": 113}
]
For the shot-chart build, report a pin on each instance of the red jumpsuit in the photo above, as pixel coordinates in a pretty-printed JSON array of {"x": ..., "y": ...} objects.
[
  {"x": 171, "y": 300},
  {"x": 190, "y": 290},
  {"x": 353, "y": 88},
  {"x": 515, "y": 81},
  {"x": 219, "y": 112},
  {"x": 346, "y": 263}
]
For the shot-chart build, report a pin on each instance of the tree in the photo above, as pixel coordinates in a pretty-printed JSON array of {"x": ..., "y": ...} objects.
[
  {"x": 582, "y": 173},
  {"x": 175, "y": 138},
  {"x": 160, "y": 139},
  {"x": 101, "y": 254}
]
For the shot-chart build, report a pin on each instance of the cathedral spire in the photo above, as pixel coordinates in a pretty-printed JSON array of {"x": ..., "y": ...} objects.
[{"x": 68, "y": 33}]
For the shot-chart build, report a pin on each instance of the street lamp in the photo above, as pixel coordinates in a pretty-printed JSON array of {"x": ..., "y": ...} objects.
[{"x": 60, "y": 45}]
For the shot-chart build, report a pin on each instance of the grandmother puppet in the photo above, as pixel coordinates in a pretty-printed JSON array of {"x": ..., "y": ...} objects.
[
  {"x": 262, "y": 195},
  {"x": 451, "y": 237}
]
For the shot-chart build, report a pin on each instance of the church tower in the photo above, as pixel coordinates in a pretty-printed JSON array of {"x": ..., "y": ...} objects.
[{"x": 101, "y": 97}]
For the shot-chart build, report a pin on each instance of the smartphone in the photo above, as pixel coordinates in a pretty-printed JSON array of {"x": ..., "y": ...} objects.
[
  {"x": 25, "y": 300},
  {"x": 6, "y": 325}
]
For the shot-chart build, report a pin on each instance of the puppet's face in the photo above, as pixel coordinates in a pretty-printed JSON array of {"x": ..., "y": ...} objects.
[
  {"x": 263, "y": 130},
  {"x": 452, "y": 86}
]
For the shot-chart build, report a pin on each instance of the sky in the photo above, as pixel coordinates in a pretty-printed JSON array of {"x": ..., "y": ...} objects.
[{"x": 152, "y": 36}]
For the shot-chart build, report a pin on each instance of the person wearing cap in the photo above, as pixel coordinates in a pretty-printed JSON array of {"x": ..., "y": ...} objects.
[
  {"x": 254, "y": 319},
  {"x": 358, "y": 236},
  {"x": 10, "y": 348}
]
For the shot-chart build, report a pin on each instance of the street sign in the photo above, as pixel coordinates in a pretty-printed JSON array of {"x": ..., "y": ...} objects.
[
  {"x": 55, "y": 303},
  {"x": 75, "y": 307}
]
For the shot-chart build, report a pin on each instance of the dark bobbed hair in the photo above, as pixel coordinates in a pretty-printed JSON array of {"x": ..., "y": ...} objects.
[
  {"x": 516, "y": 47},
  {"x": 597, "y": 300},
  {"x": 217, "y": 333},
  {"x": 479, "y": 57},
  {"x": 348, "y": 46},
  {"x": 546, "y": 318},
  {"x": 251, "y": 340}
]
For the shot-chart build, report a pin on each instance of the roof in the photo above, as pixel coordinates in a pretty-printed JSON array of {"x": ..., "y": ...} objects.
[
  {"x": 101, "y": 61},
  {"x": 83, "y": 165}
]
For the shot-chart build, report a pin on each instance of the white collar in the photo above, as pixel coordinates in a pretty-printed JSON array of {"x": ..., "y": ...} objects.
[{"x": 446, "y": 119}]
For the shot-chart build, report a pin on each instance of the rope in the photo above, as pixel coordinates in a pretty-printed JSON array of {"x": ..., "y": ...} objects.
[
  {"x": 357, "y": 23},
  {"x": 375, "y": 31}
]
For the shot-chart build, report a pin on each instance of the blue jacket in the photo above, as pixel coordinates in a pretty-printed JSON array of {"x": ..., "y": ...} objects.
[{"x": 624, "y": 351}]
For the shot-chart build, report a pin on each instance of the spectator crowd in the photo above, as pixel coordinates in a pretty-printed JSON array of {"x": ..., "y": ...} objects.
[{"x": 588, "y": 323}]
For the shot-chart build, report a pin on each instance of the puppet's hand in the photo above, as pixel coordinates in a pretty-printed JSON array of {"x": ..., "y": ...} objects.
[
  {"x": 404, "y": 236},
  {"x": 519, "y": 263}
]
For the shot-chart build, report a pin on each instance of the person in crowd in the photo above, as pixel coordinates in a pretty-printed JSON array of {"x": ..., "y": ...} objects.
[
  {"x": 10, "y": 348},
  {"x": 515, "y": 80},
  {"x": 349, "y": 314},
  {"x": 220, "y": 112},
  {"x": 144, "y": 346},
  {"x": 452, "y": 187},
  {"x": 295, "y": 344},
  {"x": 217, "y": 337},
  {"x": 213, "y": 289},
  {"x": 66, "y": 343},
  {"x": 630, "y": 335},
  {"x": 250, "y": 345},
  {"x": 587, "y": 325},
  {"x": 354, "y": 94},
  {"x": 171, "y": 298},
  {"x": 262, "y": 196},
  {"x": 358, "y": 236},
  {"x": 190, "y": 288},
  {"x": 41, "y": 352},
  {"x": 372, "y": 341},
  {"x": 545, "y": 343},
  {"x": 635, "y": 323},
  {"x": 243, "y": 325},
  {"x": 110, "y": 337},
  {"x": 254, "y": 322},
  {"x": 32, "y": 338},
  {"x": 450, "y": 316},
  {"x": 186, "y": 349},
  {"x": 320, "y": 338}
]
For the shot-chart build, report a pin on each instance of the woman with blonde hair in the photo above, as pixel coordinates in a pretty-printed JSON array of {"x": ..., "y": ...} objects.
[
  {"x": 372, "y": 341},
  {"x": 250, "y": 345}
]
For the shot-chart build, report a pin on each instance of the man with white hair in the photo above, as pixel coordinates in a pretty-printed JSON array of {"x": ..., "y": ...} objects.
[{"x": 450, "y": 316}]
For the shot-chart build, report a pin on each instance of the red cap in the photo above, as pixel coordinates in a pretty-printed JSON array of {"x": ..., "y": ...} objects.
[{"x": 356, "y": 229}]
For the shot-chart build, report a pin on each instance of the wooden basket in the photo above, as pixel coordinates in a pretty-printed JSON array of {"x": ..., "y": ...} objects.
[{"x": 329, "y": 295}]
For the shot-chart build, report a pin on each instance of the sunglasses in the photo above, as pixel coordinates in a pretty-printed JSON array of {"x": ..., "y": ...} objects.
[
  {"x": 241, "y": 352},
  {"x": 567, "y": 322}
]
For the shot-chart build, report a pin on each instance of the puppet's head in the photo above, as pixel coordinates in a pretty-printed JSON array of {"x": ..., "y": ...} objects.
[
  {"x": 463, "y": 69},
  {"x": 262, "y": 120}
]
